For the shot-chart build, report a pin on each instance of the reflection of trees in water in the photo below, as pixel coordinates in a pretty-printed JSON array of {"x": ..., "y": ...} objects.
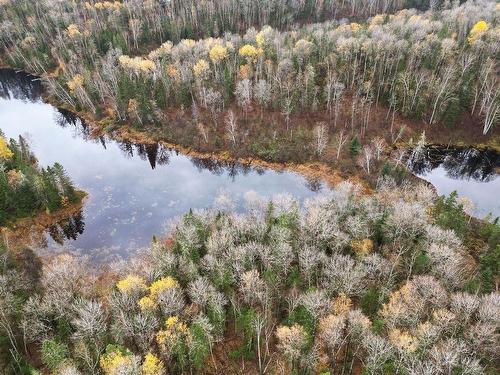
[
  {"x": 212, "y": 165},
  {"x": 218, "y": 167},
  {"x": 65, "y": 118},
  {"x": 260, "y": 171},
  {"x": 155, "y": 153},
  {"x": 163, "y": 157},
  {"x": 459, "y": 163},
  {"x": 26, "y": 87},
  {"x": 20, "y": 86},
  {"x": 127, "y": 149},
  {"x": 314, "y": 184},
  {"x": 102, "y": 140},
  {"x": 67, "y": 229}
]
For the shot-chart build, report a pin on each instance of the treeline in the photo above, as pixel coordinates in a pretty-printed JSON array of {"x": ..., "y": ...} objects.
[
  {"x": 25, "y": 188},
  {"x": 133, "y": 24},
  {"x": 431, "y": 66},
  {"x": 384, "y": 284}
]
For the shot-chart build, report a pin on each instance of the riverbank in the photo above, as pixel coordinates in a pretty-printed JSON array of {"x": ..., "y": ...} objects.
[
  {"x": 265, "y": 137},
  {"x": 329, "y": 167},
  {"x": 150, "y": 141},
  {"x": 263, "y": 140},
  {"x": 31, "y": 230},
  {"x": 314, "y": 169}
]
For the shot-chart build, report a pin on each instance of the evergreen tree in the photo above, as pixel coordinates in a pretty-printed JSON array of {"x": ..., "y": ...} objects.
[{"x": 25, "y": 188}]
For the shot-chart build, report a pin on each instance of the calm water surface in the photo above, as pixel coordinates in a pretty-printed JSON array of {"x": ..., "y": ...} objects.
[
  {"x": 472, "y": 173},
  {"x": 133, "y": 189}
]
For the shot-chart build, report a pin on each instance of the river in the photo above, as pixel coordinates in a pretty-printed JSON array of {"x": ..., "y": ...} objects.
[
  {"x": 472, "y": 173},
  {"x": 133, "y": 190}
]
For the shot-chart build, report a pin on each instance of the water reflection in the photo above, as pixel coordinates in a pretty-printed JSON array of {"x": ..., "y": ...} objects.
[
  {"x": 473, "y": 173},
  {"x": 315, "y": 184},
  {"x": 19, "y": 86},
  {"x": 68, "y": 228},
  {"x": 459, "y": 163},
  {"x": 158, "y": 154},
  {"x": 65, "y": 118},
  {"x": 133, "y": 188}
]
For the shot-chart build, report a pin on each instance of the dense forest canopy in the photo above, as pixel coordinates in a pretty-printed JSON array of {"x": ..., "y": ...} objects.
[
  {"x": 132, "y": 61},
  {"x": 397, "y": 282},
  {"x": 384, "y": 283}
]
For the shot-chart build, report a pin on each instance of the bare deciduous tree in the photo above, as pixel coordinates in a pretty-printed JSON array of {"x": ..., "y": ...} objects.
[
  {"x": 321, "y": 133},
  {"x": 232, "y": 125}
]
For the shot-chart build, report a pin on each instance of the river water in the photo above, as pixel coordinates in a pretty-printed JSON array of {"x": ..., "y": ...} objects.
[
  {"x": 134, "y": 190},
  {"x": 472, "y": 173}
]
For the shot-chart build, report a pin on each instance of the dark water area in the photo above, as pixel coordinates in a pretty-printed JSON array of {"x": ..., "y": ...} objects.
[
  {"x": 472, "y": 173},
  {"x": 134, "y": 190}
]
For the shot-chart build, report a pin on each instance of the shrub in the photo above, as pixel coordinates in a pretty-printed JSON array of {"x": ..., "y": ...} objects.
[
  {"x": 304, "y": 318},
  {"x": 449, "y": 214},
  {"x": 355, "y": 146},
  {"x": 199, "y": 346},
  {"x": 370, "y": 302},
  {"x": 421, "y": 263},
  {"x": 53, "y": 354}
]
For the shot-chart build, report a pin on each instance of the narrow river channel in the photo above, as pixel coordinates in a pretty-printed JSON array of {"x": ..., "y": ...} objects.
[{"x": 133, "y": 189}]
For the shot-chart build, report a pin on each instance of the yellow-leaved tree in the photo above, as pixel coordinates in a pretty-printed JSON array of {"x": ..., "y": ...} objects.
[
  {"x": 250, "y": 52},
  {"x": 201, "y": 68},
  {"x": 477, "y": 30},
  {"x": 5, "y": 152},
  {"x": 218, "y": 53},
  {"x": 152, "y": 365},
  {"x": 114, "y": 362}
]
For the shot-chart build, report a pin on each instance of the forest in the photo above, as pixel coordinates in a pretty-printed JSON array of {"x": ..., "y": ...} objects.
[
  {"x": 26, "y": 188},
  {"x": 318, "y": 84},
  {"x": 391, "y": 283},
  {"x": 376, "y": 275}
]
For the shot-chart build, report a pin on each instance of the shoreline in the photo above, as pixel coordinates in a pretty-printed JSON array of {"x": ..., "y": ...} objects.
[
  {"x": 414, "y": 129},
  {"x": 20, "y": 232},
  {"x": 314, "y": 169}
]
